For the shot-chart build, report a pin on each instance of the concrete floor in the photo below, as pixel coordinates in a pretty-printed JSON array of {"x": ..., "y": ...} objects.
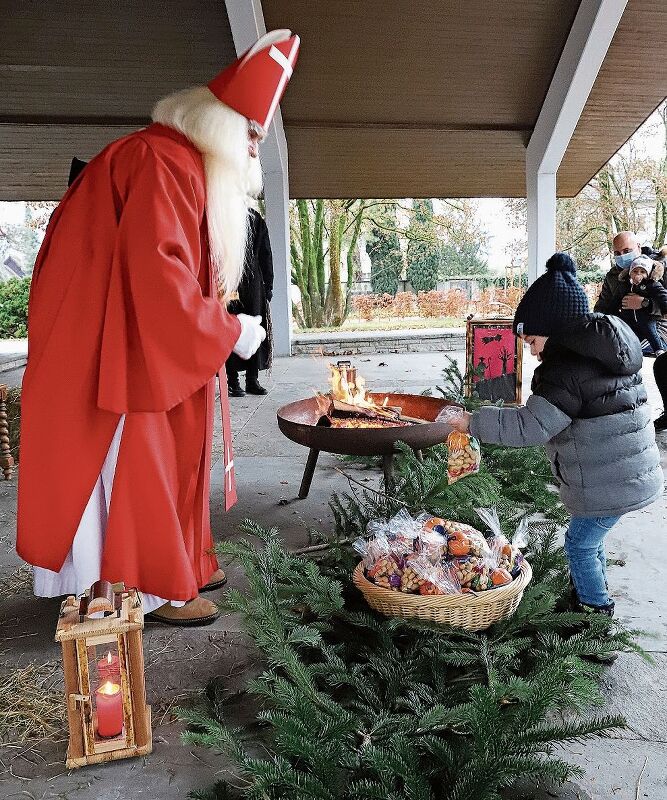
[{"x": 269, "y": 470}]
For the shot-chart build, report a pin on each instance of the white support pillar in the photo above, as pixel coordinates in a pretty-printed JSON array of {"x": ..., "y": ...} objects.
[
  {"x": 246, "y": 20},
  {"x": 541, "y": 219},
  {"x": 585, "y": 49}
]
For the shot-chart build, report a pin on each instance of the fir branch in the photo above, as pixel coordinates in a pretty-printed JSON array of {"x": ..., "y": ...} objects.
[{"x": 354, "y": 705}]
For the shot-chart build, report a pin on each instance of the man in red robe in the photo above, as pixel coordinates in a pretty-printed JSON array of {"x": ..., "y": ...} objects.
[{"x": 128, "y": 329}]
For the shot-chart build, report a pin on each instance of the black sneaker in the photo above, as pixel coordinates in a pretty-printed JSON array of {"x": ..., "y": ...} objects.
[
  {"x": 235, "y": 390},
  {"x": 661, "y": 423},
  {"x": 608, "y": 611}
]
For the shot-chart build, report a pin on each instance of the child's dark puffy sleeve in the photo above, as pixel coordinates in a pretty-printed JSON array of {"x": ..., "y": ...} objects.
[{"x": 658, "y": 294}]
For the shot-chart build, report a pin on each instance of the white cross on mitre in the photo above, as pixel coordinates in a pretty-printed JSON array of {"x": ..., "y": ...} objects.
[
  {"x": 281, "y": 59},
  {"x": 286, "y": 62}
]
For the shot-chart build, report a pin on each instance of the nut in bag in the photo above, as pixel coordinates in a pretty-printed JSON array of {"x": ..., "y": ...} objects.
[
  {"x": 412, "y": 578},
  {"x": 507, "y": 555},
  {"x": 371, "y": 550},
  {"x": 433, "y": 537},
  {"x": 464, "y": 540},
  {"x": 381, "y": 565},
  {"x": 402, "y": 532},
  {"x": 387, "y": 572},
  {"x": 437, "y": 579},
  {"x": 473, "y": 573},
  {"x": 464, "y": 456}
]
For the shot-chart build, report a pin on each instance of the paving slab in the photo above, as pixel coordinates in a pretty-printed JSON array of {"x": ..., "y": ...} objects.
[
  {"x": 612, "y": 770},
  {"x": 636, "y": 689},
  {"x": 269, "y": 470}
]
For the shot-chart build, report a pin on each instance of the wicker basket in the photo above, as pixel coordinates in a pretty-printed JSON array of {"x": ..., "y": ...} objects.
[{"x": 474, "y": 612}]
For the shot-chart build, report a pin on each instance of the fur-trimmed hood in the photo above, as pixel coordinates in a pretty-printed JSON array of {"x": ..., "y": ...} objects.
[{"x": 657, "y": 272}]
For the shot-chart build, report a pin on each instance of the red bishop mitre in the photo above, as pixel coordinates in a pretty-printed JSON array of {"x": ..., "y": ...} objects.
[{"x": 255, "y": 82}]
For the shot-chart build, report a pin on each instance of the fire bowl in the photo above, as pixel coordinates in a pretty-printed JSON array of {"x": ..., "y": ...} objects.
[{"x": 298, "y": 422}]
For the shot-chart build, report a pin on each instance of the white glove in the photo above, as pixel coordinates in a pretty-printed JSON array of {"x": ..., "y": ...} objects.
[{"x": 252, "y": 335}]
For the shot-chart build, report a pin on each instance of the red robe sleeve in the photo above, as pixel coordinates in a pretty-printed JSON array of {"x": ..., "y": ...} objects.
[{"x": 163, "y": 339}]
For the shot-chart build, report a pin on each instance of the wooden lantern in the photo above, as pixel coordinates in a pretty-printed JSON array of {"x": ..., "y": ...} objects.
[{"x": 103, "y": 662}]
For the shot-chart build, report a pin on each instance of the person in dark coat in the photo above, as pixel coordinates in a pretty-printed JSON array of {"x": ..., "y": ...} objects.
[
  {"x": 643, "y": 278},
  {"x": 76, "y": 168},
  {"x": 590, "y": 409},
  {"x": 254, "y": 296}
]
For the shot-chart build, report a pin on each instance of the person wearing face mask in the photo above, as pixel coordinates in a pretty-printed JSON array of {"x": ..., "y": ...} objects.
[
  {"x": 644, "y": 278},
  {"x": 626, "y": 248},
  {"x": 614, "y": 298},
  {"x": 590, "y": 409}
]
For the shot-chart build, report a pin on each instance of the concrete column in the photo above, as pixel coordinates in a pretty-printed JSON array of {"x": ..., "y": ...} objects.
[
  {"x": 246, "y": 21},
  {"x": 541, "y": 220},
  {"x": 580, "y": 61},
  {"x": 276, "y": 198}
]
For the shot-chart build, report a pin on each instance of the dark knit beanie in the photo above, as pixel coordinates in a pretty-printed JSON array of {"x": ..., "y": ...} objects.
[{"x": 555, "y": 299}]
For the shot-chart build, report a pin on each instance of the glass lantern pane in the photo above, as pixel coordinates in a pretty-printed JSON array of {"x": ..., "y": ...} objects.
[{"x": 105, "y": 691}]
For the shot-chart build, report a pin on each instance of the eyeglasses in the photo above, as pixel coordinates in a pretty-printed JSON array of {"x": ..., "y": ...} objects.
[{"x": 256, "y": 130}]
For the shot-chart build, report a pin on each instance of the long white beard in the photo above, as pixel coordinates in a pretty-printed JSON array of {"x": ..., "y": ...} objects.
[{"x": 232, "y": 175}]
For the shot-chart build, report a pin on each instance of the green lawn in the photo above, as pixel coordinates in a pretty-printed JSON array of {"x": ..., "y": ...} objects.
[{"x": 393, "y": 324}]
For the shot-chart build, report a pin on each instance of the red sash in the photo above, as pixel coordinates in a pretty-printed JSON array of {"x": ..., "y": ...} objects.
[
  {"x": 229, "y": 477},
  {"x": 227, "y": 451}
]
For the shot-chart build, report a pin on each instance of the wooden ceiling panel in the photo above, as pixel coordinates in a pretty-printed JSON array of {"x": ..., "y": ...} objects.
[
  {"x": 35, "y": 159},
  {"x": 431, "y": 98},
  {"x": 404, "y": 163},
  {"x": 472, "y": 63},
  {"x": 91, "y": 59},
  {"x": 631, "y": 83}
]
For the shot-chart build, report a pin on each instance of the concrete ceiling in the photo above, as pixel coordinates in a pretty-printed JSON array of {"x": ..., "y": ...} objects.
[{"x": 430, "y": 99}]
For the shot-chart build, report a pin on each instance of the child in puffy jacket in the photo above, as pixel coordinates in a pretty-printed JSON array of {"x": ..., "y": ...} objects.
[
  {"x": 643, "y": 278},
  {"x": 590, "y": 409}
]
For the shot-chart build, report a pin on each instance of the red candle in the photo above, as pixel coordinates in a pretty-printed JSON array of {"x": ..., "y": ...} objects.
[
  {"x": 108, "y": 668},
  {"x": 109, "y": 703}
]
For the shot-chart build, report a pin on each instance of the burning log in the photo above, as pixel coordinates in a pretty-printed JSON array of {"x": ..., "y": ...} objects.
[
  {"x": 348, "y": 399},
  {"x": 332, "y": 408}
]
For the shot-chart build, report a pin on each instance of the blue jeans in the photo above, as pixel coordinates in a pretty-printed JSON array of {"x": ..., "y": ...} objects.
[
  {"x": 584, "y": 545},
  {"x": 647, "y": 328}
]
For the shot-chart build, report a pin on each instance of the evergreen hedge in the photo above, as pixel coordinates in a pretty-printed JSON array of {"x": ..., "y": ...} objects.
[{"x": 14, "y": 308}]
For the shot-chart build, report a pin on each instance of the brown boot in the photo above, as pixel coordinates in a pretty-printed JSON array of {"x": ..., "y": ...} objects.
[
  {"x": 216, "y": 580},
  {"x": 199, "y": 611}
]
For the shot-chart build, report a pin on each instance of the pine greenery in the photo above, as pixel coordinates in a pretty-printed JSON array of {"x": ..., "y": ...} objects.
[{"x": 354, "y": 706}]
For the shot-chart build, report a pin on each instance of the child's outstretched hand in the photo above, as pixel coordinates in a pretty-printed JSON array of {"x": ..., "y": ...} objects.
[{"x": 456, "y": 417}]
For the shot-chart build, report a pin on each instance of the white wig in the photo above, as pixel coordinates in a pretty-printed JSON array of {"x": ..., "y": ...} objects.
[{"x": 221, "y": 136}]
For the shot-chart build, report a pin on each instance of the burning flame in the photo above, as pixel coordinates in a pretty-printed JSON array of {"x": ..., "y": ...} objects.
[
  {"x": 349, "y": 395},
  {"x": 109, "y": 688},
  {"x": 323, "y": 403},
  {"x": 109, "y": 657},
  {"x": 352, "y": 392}
]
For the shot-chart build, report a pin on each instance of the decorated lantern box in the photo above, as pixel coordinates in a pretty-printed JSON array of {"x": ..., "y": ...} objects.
[
  {"x": 103, "y": 663},
  {"x": 493, "y": 360}
]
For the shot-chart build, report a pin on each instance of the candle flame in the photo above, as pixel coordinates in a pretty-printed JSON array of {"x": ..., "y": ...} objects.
[
  {"x": 109, "y": 657},
  {"x": 109, "y": 688}
]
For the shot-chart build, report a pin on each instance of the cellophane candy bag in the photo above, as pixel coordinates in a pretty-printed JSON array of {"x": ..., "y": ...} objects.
[{"x": 464, "y": 456}]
